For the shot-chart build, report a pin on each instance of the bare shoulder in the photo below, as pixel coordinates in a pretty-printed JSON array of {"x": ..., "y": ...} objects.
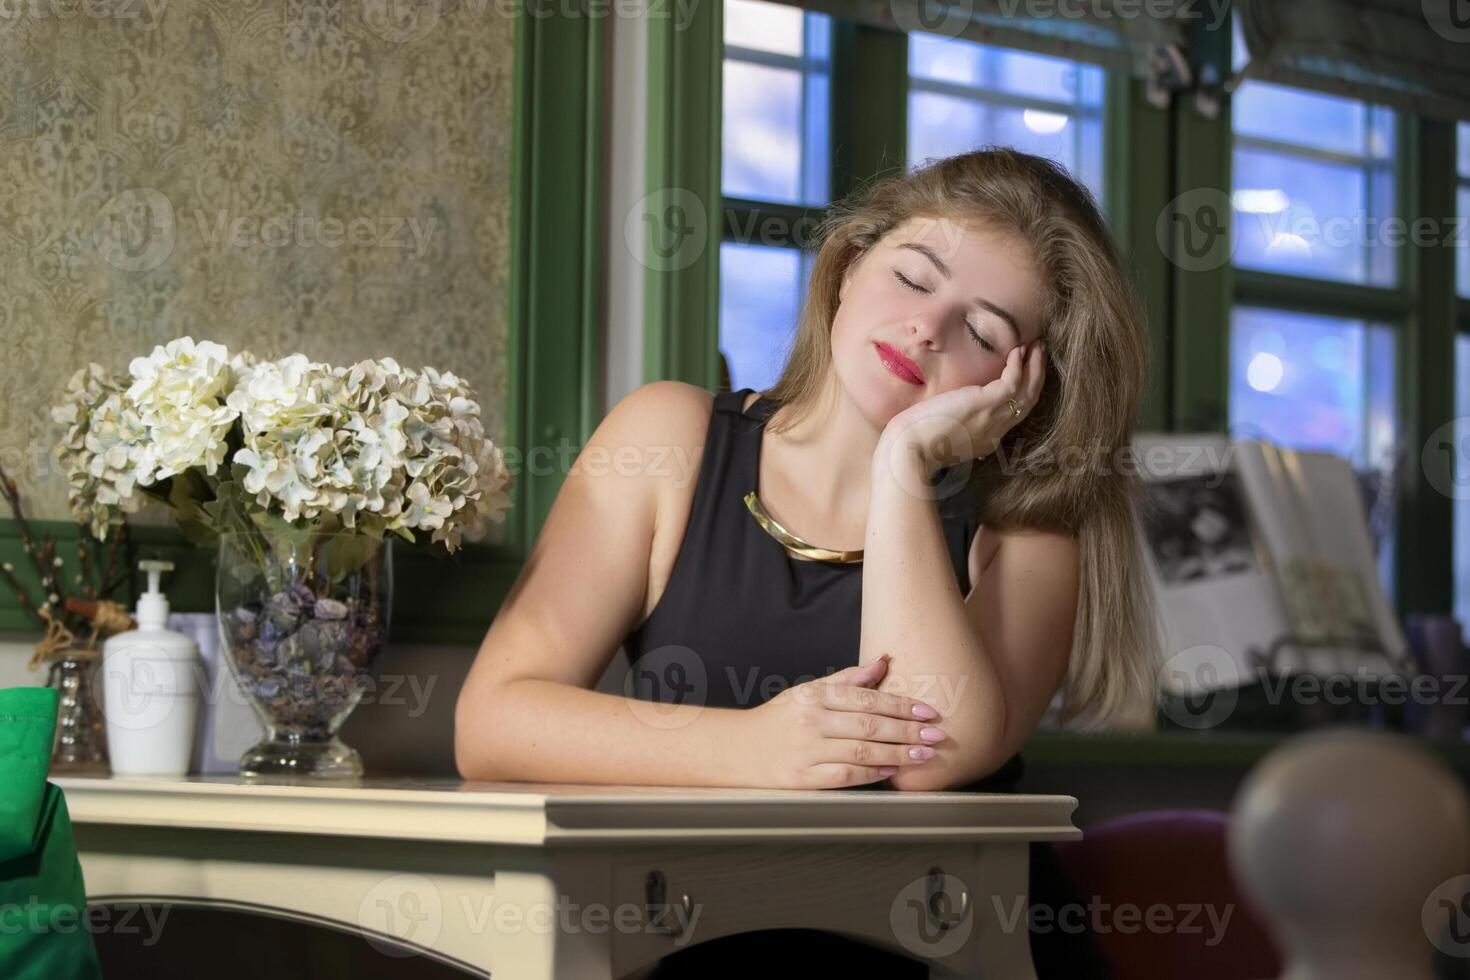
[
  {"x": 667, "y": 422},
  {"x": 665, "y": 417},
  {"x": 662, "y": 409}
]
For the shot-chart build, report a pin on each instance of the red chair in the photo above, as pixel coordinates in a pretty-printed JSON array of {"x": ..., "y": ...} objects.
[{"x": 1173, "y": 861}]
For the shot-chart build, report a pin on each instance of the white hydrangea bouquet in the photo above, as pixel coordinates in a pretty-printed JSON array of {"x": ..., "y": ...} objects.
[
  {"x": 296, "y": 471},
  {"x": 288, "y": 446}
]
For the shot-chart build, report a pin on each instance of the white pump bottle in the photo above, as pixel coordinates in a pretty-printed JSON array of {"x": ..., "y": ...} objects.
[{"x": 151, "y": 688}]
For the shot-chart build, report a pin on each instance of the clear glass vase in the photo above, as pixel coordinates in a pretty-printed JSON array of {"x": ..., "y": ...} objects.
[
  {"x": 302, "y": 622},
  {"x": 80, "y": 746}
]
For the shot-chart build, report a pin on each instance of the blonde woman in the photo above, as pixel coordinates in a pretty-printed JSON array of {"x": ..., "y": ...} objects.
[{"x": 879, "y": 573}]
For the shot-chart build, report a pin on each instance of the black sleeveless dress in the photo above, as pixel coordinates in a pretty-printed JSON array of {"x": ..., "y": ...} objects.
[{"x": 739, "y": 621}]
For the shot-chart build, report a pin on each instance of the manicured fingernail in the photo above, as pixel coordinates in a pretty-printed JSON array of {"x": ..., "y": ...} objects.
[
  {"x": 921, "y": 752},
  {"x": 931, "y": 734},
  {"x": 925, "y": 712},
  {"x": 888, "y": 770}
]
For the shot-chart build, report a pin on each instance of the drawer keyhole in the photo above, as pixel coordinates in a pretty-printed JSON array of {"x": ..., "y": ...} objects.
[
  {"x": 662, "y": 918},
  {"x": 938, "y": 904}
]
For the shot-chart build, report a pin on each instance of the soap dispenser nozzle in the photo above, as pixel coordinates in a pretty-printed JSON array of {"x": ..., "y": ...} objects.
[
  {"x": 155, "y": 567},
  {"x": 153, "y": 604}
]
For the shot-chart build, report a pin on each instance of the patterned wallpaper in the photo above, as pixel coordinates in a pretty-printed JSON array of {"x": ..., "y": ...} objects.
[{"x": 323, "y": 176}]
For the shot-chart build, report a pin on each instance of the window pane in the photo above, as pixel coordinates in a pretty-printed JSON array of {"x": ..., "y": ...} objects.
[
  {"x": 941, "y": 125},
  {"x": 1313, "y": 382},
  {"x": 1313, "y": 218},
  {"x": 1462, "y": 246},
  {"x": 1322, "y": 383},
  {"x": 1240, "y": 55},
  {"x": 1460, "y": 460},
  {"x": 1036, "y": 75},
  {"x": 945, "y": 60},
  {"x": 964, "y": 95},
  {"x": 761, "y": 289},
  {"x": 1462, "y": 237},
  {"x": 1309, "y": 120},
  {"x": 762, "y": 138},
  {"x": 816, "y": 157},
  {"x": 774, "y": 27},
  {"x": 1314, "y": 184},
  {"x": 1001, "y": 69},
  {"x": 775, "y": 142}
]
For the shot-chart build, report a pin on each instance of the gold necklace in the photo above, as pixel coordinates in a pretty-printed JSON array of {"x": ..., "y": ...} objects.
[{"x": 792, "y": 542}]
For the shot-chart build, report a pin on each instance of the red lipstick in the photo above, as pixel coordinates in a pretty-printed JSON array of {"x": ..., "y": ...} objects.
[{"x": 898, "y": 365}]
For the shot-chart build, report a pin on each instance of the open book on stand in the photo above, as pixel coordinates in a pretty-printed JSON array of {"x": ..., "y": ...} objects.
[{"x": 1262, "y": 563}]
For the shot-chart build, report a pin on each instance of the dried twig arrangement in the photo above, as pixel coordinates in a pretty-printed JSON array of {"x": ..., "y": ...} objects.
[{"x": 91, "y": 582}]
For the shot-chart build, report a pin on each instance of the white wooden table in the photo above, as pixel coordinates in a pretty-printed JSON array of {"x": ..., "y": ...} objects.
[{"x": 538, "y": 881}]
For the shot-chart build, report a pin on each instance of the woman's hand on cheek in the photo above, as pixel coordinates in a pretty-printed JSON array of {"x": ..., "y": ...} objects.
[{"x": 968, "y": 422}]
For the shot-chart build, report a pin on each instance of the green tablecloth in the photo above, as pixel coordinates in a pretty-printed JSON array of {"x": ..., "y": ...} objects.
[{"x": 43, "y": 901}]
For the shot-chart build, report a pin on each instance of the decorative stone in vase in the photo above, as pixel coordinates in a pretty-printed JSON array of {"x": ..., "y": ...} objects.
[{"x": 302, "y": 622}]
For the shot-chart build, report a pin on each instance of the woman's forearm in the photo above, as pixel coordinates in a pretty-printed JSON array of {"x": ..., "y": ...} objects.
[
  {"x": 913, "y": 610},
  {"x": 536, "y": 730}
]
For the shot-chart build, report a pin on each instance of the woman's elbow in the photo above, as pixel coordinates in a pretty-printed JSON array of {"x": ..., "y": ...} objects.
[
  {"x": 467, "y": 759},
  {"x": 474, "y": 743},
  {"x": 948, "y": 771},
  {"x": 922, "y": 779}
]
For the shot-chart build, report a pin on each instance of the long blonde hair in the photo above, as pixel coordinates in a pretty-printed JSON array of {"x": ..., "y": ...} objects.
[{"x": 1098, "y": 358}]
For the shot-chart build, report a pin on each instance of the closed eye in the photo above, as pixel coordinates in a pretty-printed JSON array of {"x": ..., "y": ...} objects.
[{"x": 974, "y": 334}]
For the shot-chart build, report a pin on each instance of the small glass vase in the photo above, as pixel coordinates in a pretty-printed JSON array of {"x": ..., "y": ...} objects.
[
  {"x": 302, "y": 622},
  {"x": 80, "y": 746}
]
